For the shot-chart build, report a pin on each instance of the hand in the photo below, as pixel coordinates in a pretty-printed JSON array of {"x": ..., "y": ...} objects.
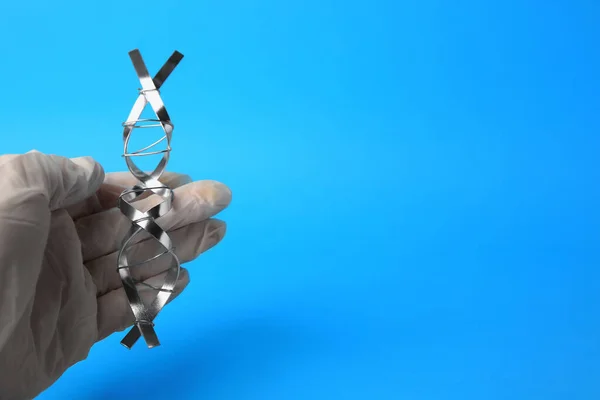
[{"x": 60, "y": 291}]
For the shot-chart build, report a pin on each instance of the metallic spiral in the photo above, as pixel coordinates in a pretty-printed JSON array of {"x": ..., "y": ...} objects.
[{"x": 145, "y": 221}]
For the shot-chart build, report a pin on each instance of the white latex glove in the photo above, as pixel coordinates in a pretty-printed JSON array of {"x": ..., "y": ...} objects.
[{"x": 59, "y": 234}]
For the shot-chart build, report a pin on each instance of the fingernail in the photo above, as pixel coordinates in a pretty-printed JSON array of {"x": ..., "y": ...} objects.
[
  {"x": 221, "y": 194},
  {"x": 114, "y": 189},
  {"x": 182, "y": 281},
  {"x": 93, "y": 168},
  {"x": 218, "y": 231},
  {"x": 176, "y": 180},
  {"x": 184, "y": 180},
  {"x": 215, "y": 231}
]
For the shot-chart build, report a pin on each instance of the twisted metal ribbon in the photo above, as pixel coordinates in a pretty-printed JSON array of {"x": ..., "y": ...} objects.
[{"x": 144, "y": 221}]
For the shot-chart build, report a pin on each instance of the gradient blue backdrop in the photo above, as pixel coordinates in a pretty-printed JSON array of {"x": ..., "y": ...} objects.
[{"x": 416, "y": 190}]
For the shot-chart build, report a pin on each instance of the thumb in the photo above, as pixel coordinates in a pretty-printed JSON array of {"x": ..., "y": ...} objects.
[{"x": 60, "y": 181}]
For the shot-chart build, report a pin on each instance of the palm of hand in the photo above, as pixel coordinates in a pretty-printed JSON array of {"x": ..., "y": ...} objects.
[{"x": 60, "y": 290}]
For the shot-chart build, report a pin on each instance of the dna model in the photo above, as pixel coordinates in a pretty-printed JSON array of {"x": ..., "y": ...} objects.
[{"x": 145, "y": 221}]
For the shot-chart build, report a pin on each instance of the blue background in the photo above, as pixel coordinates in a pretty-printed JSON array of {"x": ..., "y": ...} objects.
[{"x": 416, "y": 190}]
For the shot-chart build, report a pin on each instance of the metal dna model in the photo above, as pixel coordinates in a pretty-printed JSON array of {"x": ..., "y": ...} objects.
[{"x": 145, "y": 221}]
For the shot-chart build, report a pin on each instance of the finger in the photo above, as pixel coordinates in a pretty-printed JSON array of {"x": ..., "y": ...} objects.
[
  {"x": 125, "y": 179},
  {"x": 35, "y": 179},
  {"x": 114, "y": 184},
  {"x": 7, "y": 158},
  {"x": 189, "y": 242},
  {"x": 102, "y": 233},
  {"x": 114, "y": 311}
]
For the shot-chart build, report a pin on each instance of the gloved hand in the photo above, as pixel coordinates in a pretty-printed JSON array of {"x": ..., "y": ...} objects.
[{"x": 60, "y": 291}]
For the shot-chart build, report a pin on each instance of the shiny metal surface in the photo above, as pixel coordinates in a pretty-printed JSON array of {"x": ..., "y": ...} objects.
[{"x": 144, "y": 221}]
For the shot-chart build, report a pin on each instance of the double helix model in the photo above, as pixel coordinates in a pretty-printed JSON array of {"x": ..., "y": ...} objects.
[{"x": 145, "y": 221}]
